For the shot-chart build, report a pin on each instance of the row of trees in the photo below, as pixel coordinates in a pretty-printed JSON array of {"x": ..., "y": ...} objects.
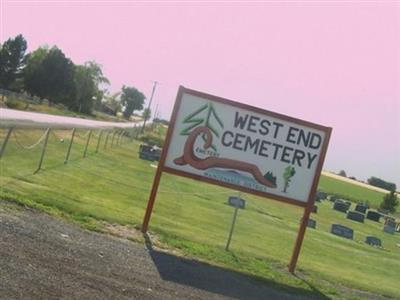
[
  {"x": 48, "y": 74},
  {"x": 378, "y": 182},
  {"x": 375, "y": 181}
]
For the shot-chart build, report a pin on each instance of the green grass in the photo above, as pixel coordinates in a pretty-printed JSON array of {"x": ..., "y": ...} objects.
[
  {"x": 113, "y": 186},
  {"x": 351, "y": 191}
]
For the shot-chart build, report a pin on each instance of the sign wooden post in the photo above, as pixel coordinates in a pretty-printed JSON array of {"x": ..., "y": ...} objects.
[
  {"x": 157, "y": 177},
  {"x": 245, "y": 148},
  {"x": 307, "y": 211}
]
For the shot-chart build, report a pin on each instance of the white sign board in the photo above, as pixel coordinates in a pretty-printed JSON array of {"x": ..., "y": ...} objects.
[{"x": 243, "y": 147}]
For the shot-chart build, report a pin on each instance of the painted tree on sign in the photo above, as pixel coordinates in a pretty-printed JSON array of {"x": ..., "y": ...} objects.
[
  {"x": 288, "y": 173},
  {"x": 204, "y": 116}
]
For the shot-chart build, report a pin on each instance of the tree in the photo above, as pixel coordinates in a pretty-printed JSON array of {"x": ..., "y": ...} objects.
[
  {"x": 12, "y": 54},
  {"x": 390, "y": 202},
  {"x": 146, "y": 114},
  {"x": 33, "y": 71},
  {"x": 375, "y": 181},
  {"x": 207, "y": 116},
  {"x": 288, "y": 173},
  {"x": 85, "y": 90},
  {"x": 50, "y": 74},
  {"x": 112, "y": 104},
  {"x": 132, "y": 99},
  {"x": 342, "y": 173},
  {"x": 87, "y": 79}
]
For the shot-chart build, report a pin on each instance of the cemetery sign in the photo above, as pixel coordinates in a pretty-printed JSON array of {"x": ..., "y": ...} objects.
[{"x": 246, "y": 148}]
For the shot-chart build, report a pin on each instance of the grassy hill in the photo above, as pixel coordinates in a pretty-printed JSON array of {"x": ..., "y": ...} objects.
[
  {"x": 193, "y": 218},
  {"x": 351, "y": 191}
]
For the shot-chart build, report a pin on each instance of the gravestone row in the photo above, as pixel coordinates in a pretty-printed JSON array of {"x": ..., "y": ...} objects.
[
  {"x": 348, "y": 233},
  {"x": 359, "y": 214},
  {"x": 356, "y": 215}
]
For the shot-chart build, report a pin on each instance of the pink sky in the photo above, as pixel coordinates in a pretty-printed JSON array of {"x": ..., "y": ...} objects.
[{"x": 333, "y": 63}]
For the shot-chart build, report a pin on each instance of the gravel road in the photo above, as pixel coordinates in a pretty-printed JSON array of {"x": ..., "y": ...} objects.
[{"x": 42, "y": 257}]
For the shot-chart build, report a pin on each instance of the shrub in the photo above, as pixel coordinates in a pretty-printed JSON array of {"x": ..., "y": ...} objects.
[
  {"x": 15, "y": 104},
  {"x": 152, "y": 139},
  {"x": 390, "y": 202}
]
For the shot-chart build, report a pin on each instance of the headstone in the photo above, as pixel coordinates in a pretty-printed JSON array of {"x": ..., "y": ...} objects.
[
  {"x": 390, "y": 225},
  {"x": 348, "y": 203},
  {"x": 321, "y": 195},
  {"x": 340, "y": 205},
  {"x": 342, "y": 231},
  {"x": 389, "y": 229},
  {"x": 373, "y": 215},
  {"x": 332, "y": 198},
  {"x": 373, "y": 241},
  {"x": 356, "y": 216},
  {"x": 312, "y": 223},
  {"x": 361, "y": 208},
  {"x": 390, "y": 220},
  {"x": 314, "y": 209}
]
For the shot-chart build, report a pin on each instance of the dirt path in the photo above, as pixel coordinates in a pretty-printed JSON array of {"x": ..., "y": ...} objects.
[{"x": 42, "y": 257}]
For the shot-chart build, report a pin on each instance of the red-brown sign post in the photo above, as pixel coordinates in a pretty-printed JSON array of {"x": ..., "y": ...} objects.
[{"x": 245, "y": 148}]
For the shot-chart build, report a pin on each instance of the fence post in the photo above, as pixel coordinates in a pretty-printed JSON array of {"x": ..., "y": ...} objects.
[
  {"x": 118, "y": 134},
  {"x": 105, "y": 143},
  {"x": 98, "y": 141},
  {"x": 70, "y": 146},
  {"x": 121, "y": 137},
  {"x": 112, "y": 139},
  {"x": 132, "y": 133},
  {"x": 43, "y": 150},
  {"x": 3, "y": 146},
  {"x": 87, "y": 142}
]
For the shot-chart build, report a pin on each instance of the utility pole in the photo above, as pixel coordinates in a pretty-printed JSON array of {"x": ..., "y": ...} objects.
[
  {"x": 156, "y": 112},
  {"x": 148, "y": 107}
]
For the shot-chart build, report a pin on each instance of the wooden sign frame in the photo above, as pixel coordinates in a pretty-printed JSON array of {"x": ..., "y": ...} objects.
[{"x": 306, "y": 205}]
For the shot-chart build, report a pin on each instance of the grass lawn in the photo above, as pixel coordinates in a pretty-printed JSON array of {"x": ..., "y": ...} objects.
[
  {"x": 350, "y": 191},
  {"x": 113, "y": 185}
]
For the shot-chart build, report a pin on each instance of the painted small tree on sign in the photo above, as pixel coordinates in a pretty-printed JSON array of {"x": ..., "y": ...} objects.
[
  {"x": 288, "y": 173},
  {"x": 206, "y": 116}
]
